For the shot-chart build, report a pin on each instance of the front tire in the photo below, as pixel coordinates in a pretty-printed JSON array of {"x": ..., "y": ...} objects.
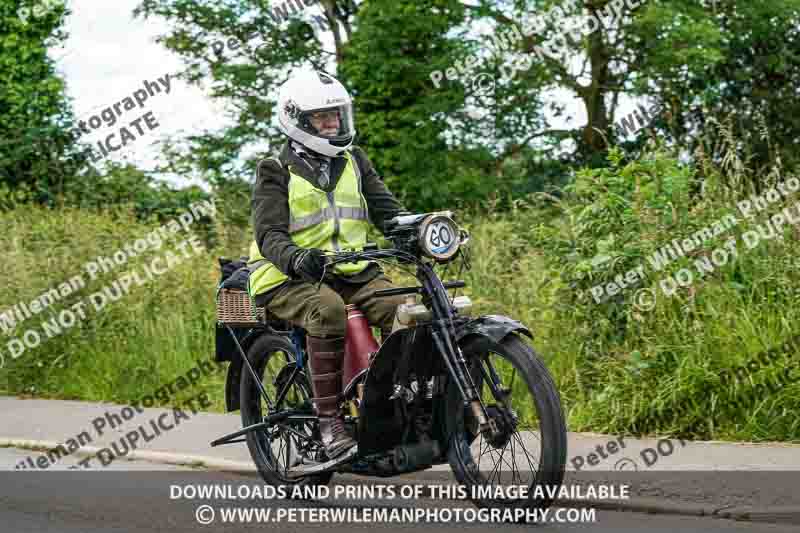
[{"x": 531, "y": 414}]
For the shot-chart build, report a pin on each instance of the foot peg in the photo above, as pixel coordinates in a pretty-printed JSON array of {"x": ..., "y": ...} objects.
[{"x": 310, "y": 468}]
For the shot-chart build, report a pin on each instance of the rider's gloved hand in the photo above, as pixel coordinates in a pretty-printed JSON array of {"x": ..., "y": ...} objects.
[{"x": 308, "y": 264}]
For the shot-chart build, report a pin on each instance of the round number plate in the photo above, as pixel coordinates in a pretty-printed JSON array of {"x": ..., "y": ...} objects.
[{"x": 439, "y": 237}]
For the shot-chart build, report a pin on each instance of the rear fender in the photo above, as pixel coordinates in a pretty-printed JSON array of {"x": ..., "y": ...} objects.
[{"x": 233, "y": 379}]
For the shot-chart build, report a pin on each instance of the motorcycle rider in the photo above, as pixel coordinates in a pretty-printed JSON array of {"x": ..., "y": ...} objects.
[{"x": 321, "y": 193}]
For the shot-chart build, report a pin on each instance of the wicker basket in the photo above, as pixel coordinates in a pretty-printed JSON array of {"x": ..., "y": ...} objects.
[{"x": 235, "y": 309}]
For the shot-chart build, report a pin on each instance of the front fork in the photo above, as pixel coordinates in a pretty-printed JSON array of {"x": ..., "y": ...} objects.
[
  {"x": 459, "y": 372},
  {"x": 443, "y": 332}
]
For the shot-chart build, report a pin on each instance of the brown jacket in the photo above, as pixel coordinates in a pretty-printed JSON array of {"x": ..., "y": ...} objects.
[{"x": 270, "y": 205}]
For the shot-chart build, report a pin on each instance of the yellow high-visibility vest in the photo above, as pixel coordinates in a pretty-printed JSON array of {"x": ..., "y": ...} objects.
[{"x": 329, "y": 221}]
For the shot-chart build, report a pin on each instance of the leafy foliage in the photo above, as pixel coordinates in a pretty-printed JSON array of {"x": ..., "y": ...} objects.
[
  {"x": 36, "y": 149},
  {"x": 547, "y": 235},
  {"x": 126, "y": 184},
  {"x": 646, "y": 365},
  {"x": 402, "y": 116}
]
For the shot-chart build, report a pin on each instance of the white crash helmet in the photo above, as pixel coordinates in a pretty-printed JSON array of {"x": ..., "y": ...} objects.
[{"x": 308, "y": 92}]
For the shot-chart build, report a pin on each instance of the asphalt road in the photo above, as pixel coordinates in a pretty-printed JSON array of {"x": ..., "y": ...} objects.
[{"x": 128, "y": 497}]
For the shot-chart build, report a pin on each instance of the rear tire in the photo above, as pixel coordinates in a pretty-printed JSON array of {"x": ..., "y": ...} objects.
[
  {"x": 548, "y": 427},
  {"x": 271, "y": 449}
]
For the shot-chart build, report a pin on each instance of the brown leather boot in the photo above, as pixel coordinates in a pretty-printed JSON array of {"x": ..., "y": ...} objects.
[{"x": 325, "y": 358}]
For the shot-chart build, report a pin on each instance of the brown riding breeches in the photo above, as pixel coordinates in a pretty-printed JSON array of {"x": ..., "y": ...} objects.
[{"x": 322, "y": 312}]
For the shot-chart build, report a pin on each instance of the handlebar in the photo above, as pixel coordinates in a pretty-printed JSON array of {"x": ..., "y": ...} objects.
[
  {"x": 458, "y": 284},
  {"x": 354, "y": 256},
  {"x": 414, "y": 238}
]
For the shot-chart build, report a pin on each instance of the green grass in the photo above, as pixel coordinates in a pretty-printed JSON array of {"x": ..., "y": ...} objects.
[
  {"x": 130, "y": 347},
  {"x": 617, "y": 372}
]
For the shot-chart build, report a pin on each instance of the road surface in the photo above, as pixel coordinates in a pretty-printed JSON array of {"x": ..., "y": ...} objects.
[{"x": 128, "y": 497}]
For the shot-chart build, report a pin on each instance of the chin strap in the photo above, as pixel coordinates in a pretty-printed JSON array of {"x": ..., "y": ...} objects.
[{"x": 319, "y": 164}]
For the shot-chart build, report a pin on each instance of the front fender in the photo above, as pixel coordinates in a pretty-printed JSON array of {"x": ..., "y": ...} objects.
[{"x": 495, "y": 327}]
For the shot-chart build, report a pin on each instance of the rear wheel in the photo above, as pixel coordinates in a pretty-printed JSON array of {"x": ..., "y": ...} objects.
[
  {"x": 531, "y": 447},
  {"x": 283, "y": 445}
]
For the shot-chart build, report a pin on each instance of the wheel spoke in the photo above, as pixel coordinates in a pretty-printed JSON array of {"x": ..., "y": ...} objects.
[
  {"x": 493, "y": 471},
  {"x": 483, "y": 451},
  {"x": 515, "y": 410},
  {"x": 504, "y": 454},
  {"x": 492, "y": 454},
  {"x": 525, "y": 451},
  {"x": 514, "y": 462},
  {"x": 297, "y": 434},
  {"x": 283, "y": 443},
  {"x": 502, "y": 458},
  {"x": 500, "y": 466}
]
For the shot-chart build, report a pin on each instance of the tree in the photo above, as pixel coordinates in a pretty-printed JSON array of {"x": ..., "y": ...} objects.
[
  {"x": 243, "y": 50},
  {"x": 37, "y": 151},
  {"x": 402, "y": 117},
  {"x": 441, "y": 141},
  {"x": 755, "y": 84}
]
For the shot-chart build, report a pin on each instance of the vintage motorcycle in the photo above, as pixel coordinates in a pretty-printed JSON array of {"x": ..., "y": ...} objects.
[{"x": 443, "y": 387}]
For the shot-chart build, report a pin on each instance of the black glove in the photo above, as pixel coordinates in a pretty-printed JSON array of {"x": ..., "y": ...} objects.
[{"x": 308, "y": 264}]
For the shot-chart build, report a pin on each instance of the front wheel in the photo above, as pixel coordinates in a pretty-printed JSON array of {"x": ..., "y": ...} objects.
[{"x": 530, "y": 449}]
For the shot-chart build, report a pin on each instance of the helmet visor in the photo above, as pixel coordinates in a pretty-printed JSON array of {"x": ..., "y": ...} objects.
[{"x": 332, "y": 123}]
